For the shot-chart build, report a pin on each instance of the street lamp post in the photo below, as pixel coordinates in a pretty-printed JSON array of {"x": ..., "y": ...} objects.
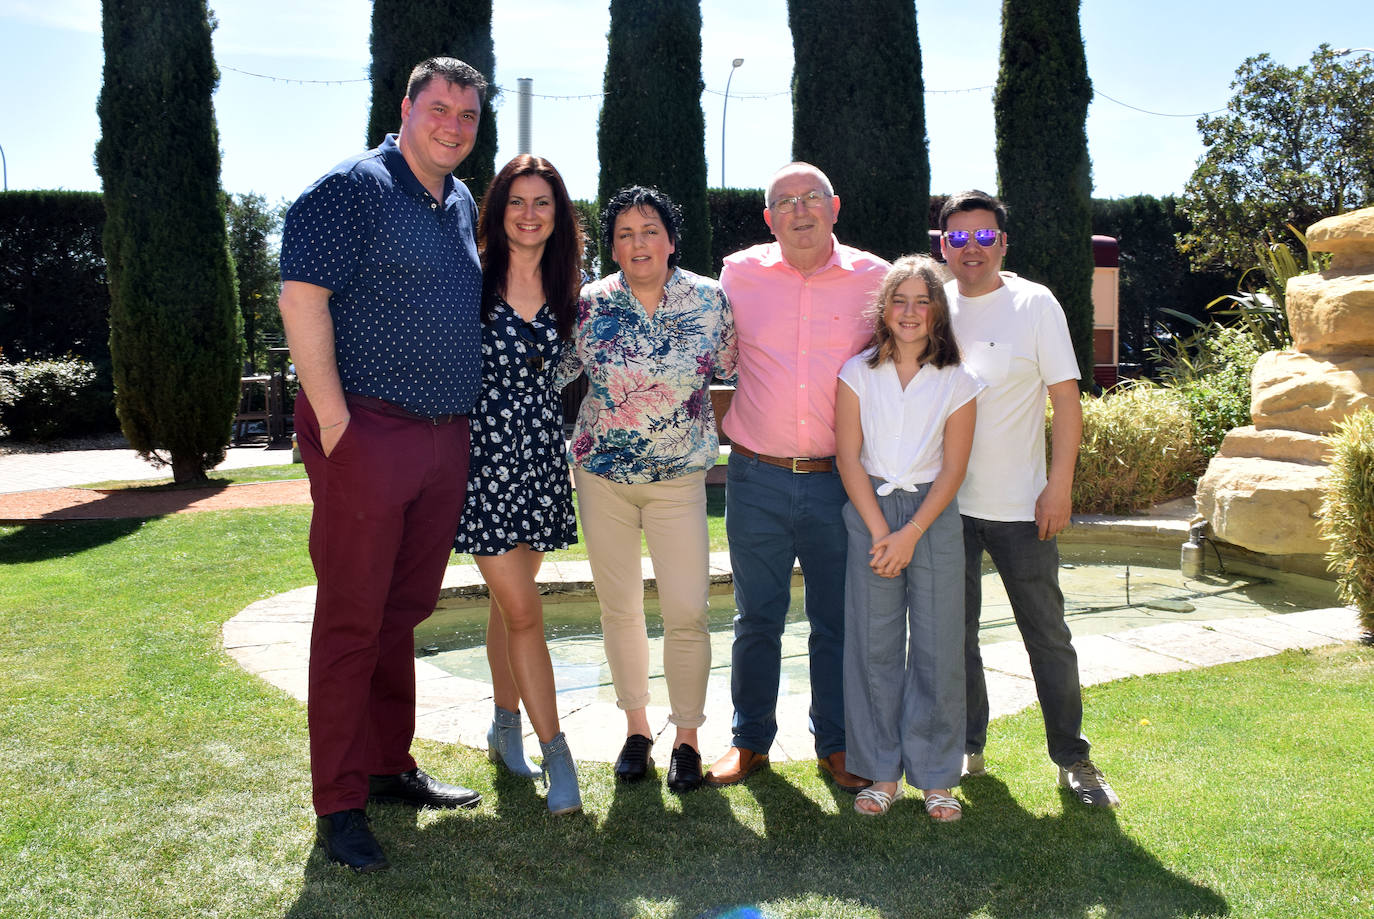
[
  {"x": 725, "y": 106},
  {"x": 5, "y": 168}
]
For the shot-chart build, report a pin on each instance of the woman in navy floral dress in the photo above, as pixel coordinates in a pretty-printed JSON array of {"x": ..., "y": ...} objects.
[{"x": 519, "y": 503}]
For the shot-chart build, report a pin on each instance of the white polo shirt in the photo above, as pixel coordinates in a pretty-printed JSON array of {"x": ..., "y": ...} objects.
[
  {"x": 904, "y": 429},
  {"x": 1016, "y": 340}
]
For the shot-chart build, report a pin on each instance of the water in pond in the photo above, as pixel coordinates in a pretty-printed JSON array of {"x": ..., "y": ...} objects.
[{"x": 1106, "y": 589}]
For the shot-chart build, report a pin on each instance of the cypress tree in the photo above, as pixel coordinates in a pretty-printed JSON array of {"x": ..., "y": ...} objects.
[
  {"x": 652, "y": 131},
  {"x": 174, "y": 323},
  {"x": 1041, "y": 110},
  {"x": 406, "y": 32},
  {"x": 858, "y": 114}
]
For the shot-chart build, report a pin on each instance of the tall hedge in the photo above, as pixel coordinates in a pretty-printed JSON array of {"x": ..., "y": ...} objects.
[
  {"x": 652, "y": 131},
  {"x": 858, "y": 113},
  {"x": 53, "y": 297},
  {"x": 1155, "y": 276},
  {"x": 1045, "y": 177},
  {"x": 174, "y": 323},
  {"x": 406, "y": 32},
  {"x": 736, "y": 222}
]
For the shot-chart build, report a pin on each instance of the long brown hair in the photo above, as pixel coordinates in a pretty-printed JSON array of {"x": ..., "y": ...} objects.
[
  {"x": 941, "y": 348},
  {"x": 560, "y": 267}
]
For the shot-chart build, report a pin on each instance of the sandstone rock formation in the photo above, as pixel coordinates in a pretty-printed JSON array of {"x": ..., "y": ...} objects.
[{"x": 1263, "y": 489}]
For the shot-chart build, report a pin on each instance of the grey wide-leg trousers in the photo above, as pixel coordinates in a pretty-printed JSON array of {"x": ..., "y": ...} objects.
[{"x": 904, "y": 652}]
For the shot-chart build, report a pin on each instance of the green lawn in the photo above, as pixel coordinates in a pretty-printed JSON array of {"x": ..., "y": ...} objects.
[{"x": 145, "y": 774}]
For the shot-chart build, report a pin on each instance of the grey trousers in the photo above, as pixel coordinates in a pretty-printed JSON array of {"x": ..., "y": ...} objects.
[
  {"x": 904, "y": 652},
  {"x": 1029, "y": 568}
]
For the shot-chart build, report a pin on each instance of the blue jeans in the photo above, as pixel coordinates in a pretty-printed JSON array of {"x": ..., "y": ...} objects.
[
  {"x": 1029, "y": 568},
  {"x": 772, "y": 517}
]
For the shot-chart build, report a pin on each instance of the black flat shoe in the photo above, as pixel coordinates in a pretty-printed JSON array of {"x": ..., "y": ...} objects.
[
  {"x": 634, "y": 761},
  {"x": 419, "y": 789},
  {"x": 684, "y": 770},
  {"x": 347, "y": 840}
]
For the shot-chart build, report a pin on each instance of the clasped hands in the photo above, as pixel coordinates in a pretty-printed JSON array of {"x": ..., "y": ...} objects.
[{"x": 892, "y": 553}]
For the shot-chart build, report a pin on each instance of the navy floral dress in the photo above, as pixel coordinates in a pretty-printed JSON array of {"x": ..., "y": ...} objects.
[{"x": 518, "y": 486}]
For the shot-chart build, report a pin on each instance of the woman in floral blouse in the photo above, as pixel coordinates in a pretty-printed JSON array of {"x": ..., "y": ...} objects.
[{"x": 650, "y": 338}]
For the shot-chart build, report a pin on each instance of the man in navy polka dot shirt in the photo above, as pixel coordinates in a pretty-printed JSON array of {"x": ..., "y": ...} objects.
[{"x": 380, "y": 301}]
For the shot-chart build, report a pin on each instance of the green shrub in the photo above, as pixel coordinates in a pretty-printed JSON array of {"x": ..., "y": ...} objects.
[
  {"x": 1216, "y": 384},
  {"x": 41, "y": 400},
  {"x": 8, "y": 396},
  {"x": 1137, "y": 450},
  {"x": 1347, "y": 514}
]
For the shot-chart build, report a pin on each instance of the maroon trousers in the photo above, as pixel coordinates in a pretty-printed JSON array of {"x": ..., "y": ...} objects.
[{"x": 387, "y": 502}]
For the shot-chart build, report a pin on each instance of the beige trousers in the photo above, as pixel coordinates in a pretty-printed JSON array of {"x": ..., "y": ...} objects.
[{"x": 672, "y": 516}]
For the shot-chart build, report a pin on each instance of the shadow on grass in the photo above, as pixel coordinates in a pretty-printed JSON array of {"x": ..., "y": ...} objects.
[
  {"x": 762, "y": 849},
  {"x": 39, "y": 542}
]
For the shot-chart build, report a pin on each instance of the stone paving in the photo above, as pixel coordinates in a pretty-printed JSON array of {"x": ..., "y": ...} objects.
[
  {"x": 271, "y": 639},
  {"x": 28, "y": 471}
]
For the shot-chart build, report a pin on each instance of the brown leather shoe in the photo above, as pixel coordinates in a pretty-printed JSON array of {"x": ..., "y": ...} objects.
[
  {"x": 735, "y": 766},
  {"x": 833, "y": 765}
]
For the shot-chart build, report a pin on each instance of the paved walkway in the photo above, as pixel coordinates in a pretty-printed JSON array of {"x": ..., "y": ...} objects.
[
  {"x": 271, "y": 639},
  {"x": 86, "y": 463}
]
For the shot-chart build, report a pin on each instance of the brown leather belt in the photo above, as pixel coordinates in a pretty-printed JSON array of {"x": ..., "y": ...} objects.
[
  {"x": 383, "y": 407},
  {"x": 794, "y": 463}
]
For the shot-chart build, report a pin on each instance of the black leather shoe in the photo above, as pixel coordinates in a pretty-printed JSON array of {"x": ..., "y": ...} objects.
[
  {"x": 418, "y": 789},
  {"x": 347, "y": 840},
  {"x": 684, "y": 770},
  {"x": 634, "y": 760}
]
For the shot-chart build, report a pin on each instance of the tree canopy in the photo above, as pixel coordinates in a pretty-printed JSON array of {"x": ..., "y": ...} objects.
[
  {"x": 652, "y": 131},
  {"x": 406, "y": 32},
  {"x": 253, "y": 229},
  {"x": 858, "y": 114},
  {"x": 1295, "y": 144},
  {"x": 1041, "y": 109},
  {"x": 174, "y": 323}
]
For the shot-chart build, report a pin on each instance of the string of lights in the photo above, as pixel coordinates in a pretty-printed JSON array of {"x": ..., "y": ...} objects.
[{"x": 746, "y": 97}]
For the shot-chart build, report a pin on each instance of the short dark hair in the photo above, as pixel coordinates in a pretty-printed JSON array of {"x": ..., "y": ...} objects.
[
  {"x": 560, "y": 267},
  {"x": 451, "y": 69},
  {"x": 638, "y": 196},
  {"x": 973, "y": 200},
  {"x": 941, "y": 347}
]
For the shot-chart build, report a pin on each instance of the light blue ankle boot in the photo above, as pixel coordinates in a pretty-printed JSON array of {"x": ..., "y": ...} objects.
[
  {"x": 504, "y": 745},
  {"x": 564, "y": 796}
]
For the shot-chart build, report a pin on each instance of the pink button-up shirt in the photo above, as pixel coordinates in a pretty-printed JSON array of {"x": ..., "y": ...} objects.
[{"x": 794, "y": 334}]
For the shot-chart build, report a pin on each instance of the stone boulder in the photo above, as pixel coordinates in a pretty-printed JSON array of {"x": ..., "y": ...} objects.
[
  {"x": 1298, "y": 392},
  {"x": 1263, "y": 490},
  {"x": 1265, "y": 505},
  {"x": 1288, "y": 446},
  {"x": 1332, "y": 314},
  {"x": 1349, "y": 238}
]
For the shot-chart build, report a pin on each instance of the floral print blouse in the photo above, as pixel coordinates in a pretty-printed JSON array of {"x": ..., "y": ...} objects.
[{"x": 647, "y": 414}]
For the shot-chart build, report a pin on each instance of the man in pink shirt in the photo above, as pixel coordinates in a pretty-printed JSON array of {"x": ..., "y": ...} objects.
[{"x": 798, "y": 305}]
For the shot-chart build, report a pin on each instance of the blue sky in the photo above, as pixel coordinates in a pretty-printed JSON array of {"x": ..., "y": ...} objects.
[{"x": 277, "y": 135}]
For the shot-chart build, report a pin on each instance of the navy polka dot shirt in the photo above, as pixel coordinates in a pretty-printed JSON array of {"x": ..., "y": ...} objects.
[{"x": 405, "y": 280}]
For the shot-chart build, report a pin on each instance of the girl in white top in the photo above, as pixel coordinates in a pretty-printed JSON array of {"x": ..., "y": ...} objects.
[{"x": 904, "y": 418}]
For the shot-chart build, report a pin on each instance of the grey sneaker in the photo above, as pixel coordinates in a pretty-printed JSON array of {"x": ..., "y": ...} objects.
[
  {"x": 1088, "y": 784},
  {"x": 974, "y": 765}
]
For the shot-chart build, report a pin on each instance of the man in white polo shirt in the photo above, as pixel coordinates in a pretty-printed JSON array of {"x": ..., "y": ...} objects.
[{"x": 1013, "y": 334}]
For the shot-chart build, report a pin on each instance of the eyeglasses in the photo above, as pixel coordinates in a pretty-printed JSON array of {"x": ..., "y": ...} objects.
[
  {"x": 788, "y": 205},
  {"x": 534, "y": 361},
  {"x": 958, "y": 239}
]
